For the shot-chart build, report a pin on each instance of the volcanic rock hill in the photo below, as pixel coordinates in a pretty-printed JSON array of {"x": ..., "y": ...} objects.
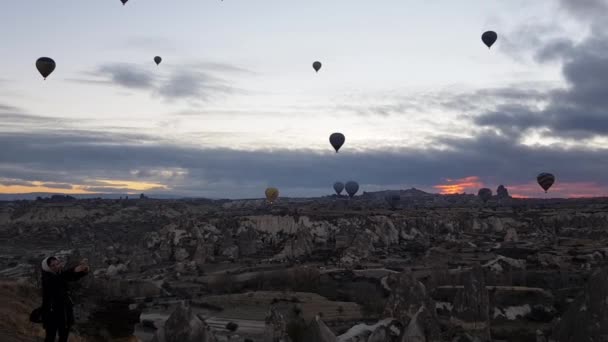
[{"x": 439, "y": 268}]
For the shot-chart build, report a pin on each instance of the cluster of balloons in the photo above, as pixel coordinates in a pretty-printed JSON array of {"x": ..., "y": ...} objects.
[
  {"x": 47, "y": 65},
  {"x": 351, "y": 188}
]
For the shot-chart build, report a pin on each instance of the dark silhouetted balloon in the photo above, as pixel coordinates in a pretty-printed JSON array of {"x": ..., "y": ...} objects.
[
  {"x": 316, "y": 65},
  {"x": 338, "y": 187},
  {"x": 489, "y": 38},
  {"x": 351, "y": 188},
  {"x": 337, "y": 140},
  {"x": 157, "y": 60},
  {"x": 485, "y": 194},
  {"x": 124, "y": 2},
  {"x": 45, "y": 66},
  {"x": 545, "y": 180},
  {"x": 393, "y": 199}
]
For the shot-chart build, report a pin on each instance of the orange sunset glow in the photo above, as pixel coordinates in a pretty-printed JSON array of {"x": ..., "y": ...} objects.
[
  {"x": 457, "y": 186},
  {"x": 110, "y": 185}
]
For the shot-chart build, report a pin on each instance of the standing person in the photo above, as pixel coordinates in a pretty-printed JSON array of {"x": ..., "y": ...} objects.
[{"x": 57, "y": 306}]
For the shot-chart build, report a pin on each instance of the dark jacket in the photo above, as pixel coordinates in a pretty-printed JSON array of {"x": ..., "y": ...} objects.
[{"x": 57, "y": 306}]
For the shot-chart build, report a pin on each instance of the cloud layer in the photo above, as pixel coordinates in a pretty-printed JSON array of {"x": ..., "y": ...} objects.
[
  {"x": 501, "y": 120},
  {"x": 194, "y": 81},
  {"x": 81, "y": 157}
]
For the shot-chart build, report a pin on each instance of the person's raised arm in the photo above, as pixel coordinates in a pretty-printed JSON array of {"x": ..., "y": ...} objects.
[{"x": 77, "y": 272}]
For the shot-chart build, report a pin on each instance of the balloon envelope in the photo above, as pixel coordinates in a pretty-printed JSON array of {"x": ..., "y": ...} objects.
[
  {"x": 489, "y": 38},
  {"x": 338, "y": 187},
  {"x": 124, "y": 2},
  {"x": 272, "y": 194},
  {"x": 485, "y": 194},
  {"x": 157, "y": 60},
  {"x": 351, "y": 188},
  {"x": 545, "y": 180},
  {"x": 337, "y": 140},
  {"x": 45, "y": 66},
  {"x": 316, "y": 65}
]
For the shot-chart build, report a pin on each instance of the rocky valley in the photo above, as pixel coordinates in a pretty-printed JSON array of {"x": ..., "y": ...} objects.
[{"x": 435, "y": 268}]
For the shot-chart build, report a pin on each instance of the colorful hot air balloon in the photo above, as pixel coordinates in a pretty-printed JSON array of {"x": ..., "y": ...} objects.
[
  {"x": 272, "y": 194},
  {"x": 316, "y": 65},
  {"x": 45, "y": 66},
  {"x": 338, "y": 187},
  {"x": 485, "y": 194},
  {"x": 337, "y": 140},
  {"x": 545, "y": 180},
  {"x": 489, "y": 38},
  {"x": 351, "y": 188},
  {"x": 157, "y": 60}
]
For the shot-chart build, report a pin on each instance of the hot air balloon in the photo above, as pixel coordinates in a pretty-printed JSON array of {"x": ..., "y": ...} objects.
[
  {"x": 351, "y": 188},
  {"x": 485, "y": 194},
  {"x": 124, "y": 2},
  {"x": 545, "y": 180},
  {"x": 45, "y": 66},
  {"x": 338, "y": 187},
  {"x": 157, "y": 60},
  {"x": 393, "y": 199},
  {"x": 489, "y": 38},
  {"x": 316, "y": 65},
  {"x": 337, "y": 140},
  {"x": 272, "y": 194}
]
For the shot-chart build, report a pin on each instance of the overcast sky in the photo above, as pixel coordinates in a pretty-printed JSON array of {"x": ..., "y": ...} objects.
[{"x": 236, "y": 106}]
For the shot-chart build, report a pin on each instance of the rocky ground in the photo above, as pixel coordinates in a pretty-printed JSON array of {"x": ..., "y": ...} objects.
[{"x": 438, "y": 268}]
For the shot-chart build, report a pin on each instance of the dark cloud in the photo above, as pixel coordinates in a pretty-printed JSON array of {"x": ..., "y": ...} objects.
[
  {"x": 521, "y": 43},
  {"x": 194, "y": 81},
  {"x": 58, "y": 185},
  {"x": 7, "y": 108},
  {"x": 586, "y": 9},
  {"x": 579, "y": 111},
  {"x": 127, "y": 75},
  {"x": 116, "y": 190},
  {"x": 484, "y": 100},
  {"x": 192, "y": 85},
  {"x": 10, "y": 182},
  {"x": 234, "y": 173},
  {"x": 554, "y": 50}
]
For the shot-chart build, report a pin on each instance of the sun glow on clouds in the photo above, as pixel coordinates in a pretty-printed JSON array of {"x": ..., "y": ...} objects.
[
  {"x": 101, "y": 186},
  {"x": 457, "y": 186}
]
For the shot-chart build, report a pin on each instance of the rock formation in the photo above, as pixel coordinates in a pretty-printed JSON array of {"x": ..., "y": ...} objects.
[{"x": 184, "y": 326}]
